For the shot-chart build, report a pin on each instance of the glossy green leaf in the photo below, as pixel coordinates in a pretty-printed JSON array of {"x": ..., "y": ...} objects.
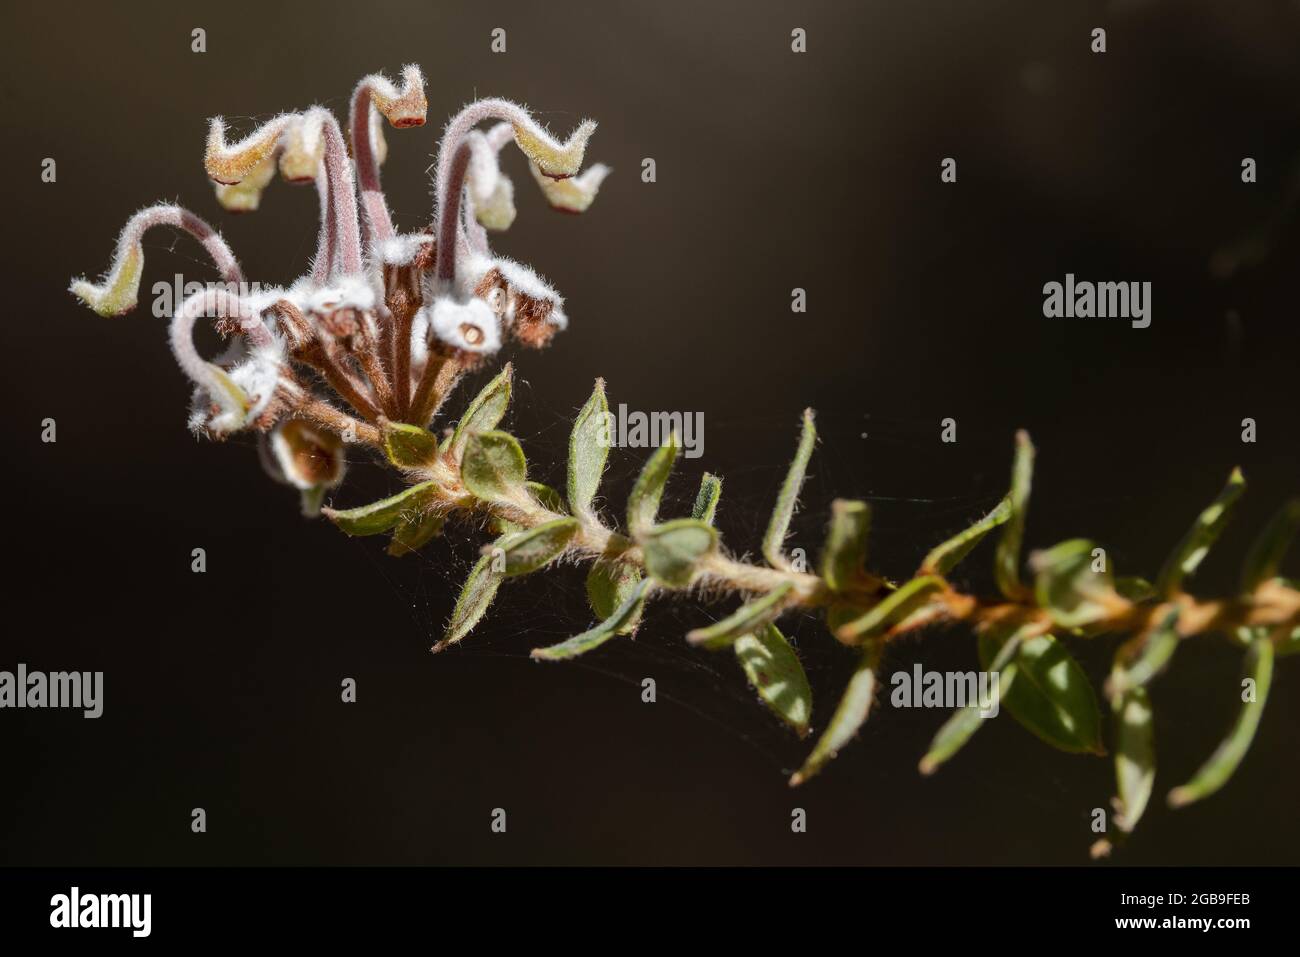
[
  {"x": 673, "y": 549},
  {"x": 413, "y": 531},
  {"x": 494, "y": 468},
  {"x": 475, "y": 597},
  {"x": 891, "y": 610},
  {"x": 588, "y": 450},
  {"x": 774, "y": 671},
  {"x": 1221, "y": 765},
  {"x": 1068, "y": 588},
  {"x": 608, "y": 585},
  {"x": 706, "y": 500},
  {"x": 965, "y": 721},
  {"x": 748, "y": 618},
  {"x": 527, "y": 551},
  {"x": 849, "y": 715},
  {"x": 944, "y": 558},
  {"x": 643, "y": 503},
  {"x": 616, "y": 624},
  {"x": 788, "y": 498},
  {"x": 845, "y": 553},
  {"x": 1007, "y": 561},
  {"x": 485, "y": 413},
  {"x": 1050, "y": 695},
  {"x": 1266, "y": 554},
  {"x": 1135, "y": 756},
  {"x": 1185, "y": 558},
  {"x": 408, "y": 446},
  {"x": 382, "y": 515}
]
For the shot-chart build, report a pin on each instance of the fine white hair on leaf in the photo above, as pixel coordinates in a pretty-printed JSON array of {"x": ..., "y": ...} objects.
[
  {"x": 116, "y": 293},
  {"x": 229, "y": 163},
  {"x": 401, "y": 250}
]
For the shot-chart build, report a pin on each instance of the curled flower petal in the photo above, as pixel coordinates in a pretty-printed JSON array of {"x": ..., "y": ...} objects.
[
  {"x": 402, "y": 106},
  {"x": 555, "y": 159},
  {"x": 303, "y": 148},
  {"x": 116, "y": 294},
  {"x": 231, "y": 162},
  {"x": 574, "y": 194},
  {"x": 246, "y": 195}
]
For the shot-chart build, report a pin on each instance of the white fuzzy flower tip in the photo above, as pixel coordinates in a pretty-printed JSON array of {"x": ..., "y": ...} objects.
[
  {"x": 470, "y": 326},
  {"x": 496, "y": 210},
  {"x": 239, "y": 397},
  {"x": 230, "y": 163},
  {"x": 554, "y": 159},
  {"x": 573, "y": 194},
  {"x": 402, "y": 106}
]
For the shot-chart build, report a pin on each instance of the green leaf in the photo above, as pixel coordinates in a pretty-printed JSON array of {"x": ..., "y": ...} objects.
[
  {"x": 896, "y": 606},
  {"x": 408, "y": 446},
  {"x": 588, "y": 449},
  {"x": 382, "y": 515},
  {"x": 779, "y": 524},
  {"x": 706, "y": 500},
  {"x": 1204, "y": 532},
  {"x": 672, "y": 550},
  {"x": 414, "y": 531},
  {"x": 1290, "y": 645},
  {"x": 1050, "y": 695},
  {"x": 1215, "y": 773},
  {"x": 1068, "y": 588},
  {"x": 475, "y": 596},
  {"x": 1135, "y": 756},
  {"x": 547, "y": 497},
  {"x": 849, "y": 715},
  {"x": 618, "y": 623},
  {"x": 643, "y": 503},
  {"x": 1007, "y": 562},
  {"x": 774, "y": 671},
  {"x": 1157, "y": 647},
  {"x": 845, "y": 553},
  {"x": 484, "y": 413},
  {"x": 749, "y": 618},
  {"x": 1266, "y": 554},
  {"x": 527, "y": 551},
  {"x": 944, "y": 558},
  {"x": 965, "y": 721},
  {"x": 494, "y": 467},
  {"x": 608, "y": 585},
  {"x": 1134, "y": 588}
]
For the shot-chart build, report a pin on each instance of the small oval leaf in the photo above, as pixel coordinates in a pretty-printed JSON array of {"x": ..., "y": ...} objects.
[
  {"x": 483, "y": 414},
  {"x": 534, "y": 548},
  {"x": 1067, "y": 587},
  {"x": 774, "y": 671},
  {"x": 893, "y": 608},
  {"x": 1266, "y": 554},
  {"x": 1189, "y": 552},
  {"x": 1007, "y": 562},
  {"x": 944, "y": 558},
  {"x": 1051, "y": 695},
  {"x": 382, "y": 515},
  {"x": 494, "y": 468},
  {"x": 1135, "y": 756},
  {"x": 414, "y": 531},
  {"x": 408, "y": 446},
  {"x": 588, "y": 449},
  {"x": 845, "y": 553},
  {"x": 673, "y": 549},
  {"x": 706, "y": 500},
  {"x": 475, "y": 596}
]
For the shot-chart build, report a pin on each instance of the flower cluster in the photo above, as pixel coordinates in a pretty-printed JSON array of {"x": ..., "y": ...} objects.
[{"x": 383, "y": 323}]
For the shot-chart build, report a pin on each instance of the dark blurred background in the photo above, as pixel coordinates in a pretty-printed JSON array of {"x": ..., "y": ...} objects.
[{"x": 775, "y": 171}]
